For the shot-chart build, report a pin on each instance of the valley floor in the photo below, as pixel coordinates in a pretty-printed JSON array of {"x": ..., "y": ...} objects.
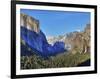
[{"x": 60, "y": 60}]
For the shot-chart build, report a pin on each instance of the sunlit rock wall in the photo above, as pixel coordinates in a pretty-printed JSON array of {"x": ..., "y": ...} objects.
[{"x": 29, "y": 22}]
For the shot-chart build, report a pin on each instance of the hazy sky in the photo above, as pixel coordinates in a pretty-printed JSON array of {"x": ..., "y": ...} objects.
[{"x": 54, "y": 23}]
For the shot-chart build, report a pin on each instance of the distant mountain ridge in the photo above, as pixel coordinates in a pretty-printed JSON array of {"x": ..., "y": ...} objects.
[{"x": 75, "y": 40}]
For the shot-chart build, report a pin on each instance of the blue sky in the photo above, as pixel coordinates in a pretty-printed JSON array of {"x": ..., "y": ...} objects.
[{"x": 54, "y": 23}]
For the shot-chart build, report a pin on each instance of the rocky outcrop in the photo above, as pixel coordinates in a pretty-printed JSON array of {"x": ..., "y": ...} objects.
[
  {"x": 80, "y": 42},
  {"x": 29, "y": 22}
]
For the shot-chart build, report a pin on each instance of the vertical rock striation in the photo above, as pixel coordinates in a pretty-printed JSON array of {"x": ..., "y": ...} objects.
[{"x": 30, "y": 23}]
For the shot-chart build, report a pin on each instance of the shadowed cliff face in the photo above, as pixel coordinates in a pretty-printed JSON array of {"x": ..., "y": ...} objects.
[{"x": 36, "y": 40}]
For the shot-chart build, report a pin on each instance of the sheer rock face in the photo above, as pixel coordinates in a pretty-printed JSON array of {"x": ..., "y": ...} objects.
[
  {"x": 81, "y": 41},
  {"x": 36, "y": 40},
  {"x": 29, "y": 22}
]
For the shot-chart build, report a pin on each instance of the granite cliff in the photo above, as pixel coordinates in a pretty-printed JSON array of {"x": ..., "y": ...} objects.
[
  {"x": 32, "y": 38},
  {"x": 29, "y": 22}
]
